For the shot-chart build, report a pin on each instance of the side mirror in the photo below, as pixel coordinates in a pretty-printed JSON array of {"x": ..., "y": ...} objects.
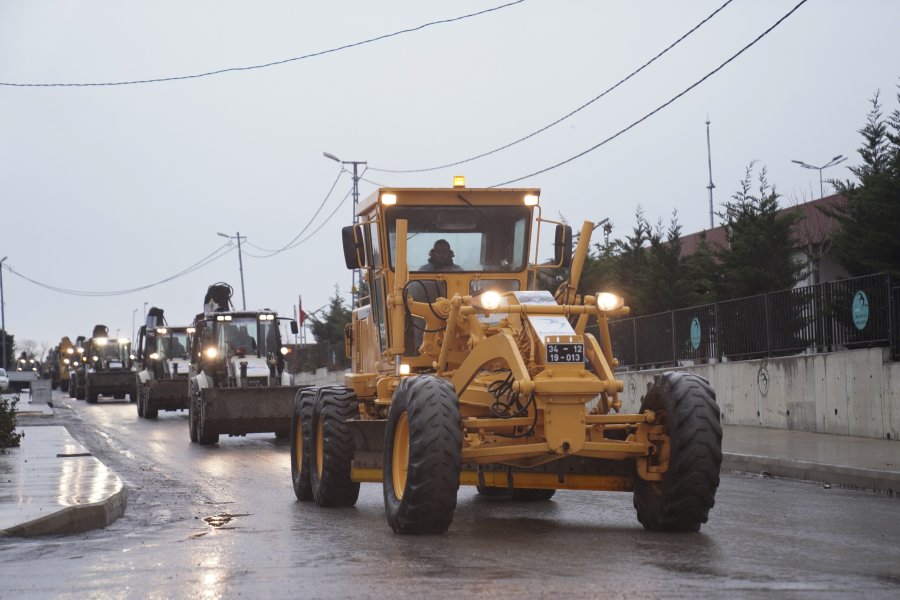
[
  {"x": 294, "y": 328},
  {"x": 354, "y": 249},
  {"x": 562, "y": 246}
]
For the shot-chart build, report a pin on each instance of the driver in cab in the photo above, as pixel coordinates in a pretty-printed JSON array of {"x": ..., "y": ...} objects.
[{"x": 440, "y": 258}]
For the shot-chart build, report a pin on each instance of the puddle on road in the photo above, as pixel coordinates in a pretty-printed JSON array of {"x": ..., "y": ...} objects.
[{"x": 221, "y": 519}]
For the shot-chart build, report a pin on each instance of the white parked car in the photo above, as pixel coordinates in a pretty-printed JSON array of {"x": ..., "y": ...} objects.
[{"x": 4, "y": 381}]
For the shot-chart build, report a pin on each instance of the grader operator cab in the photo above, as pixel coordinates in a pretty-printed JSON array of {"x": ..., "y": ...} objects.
[
  {"x": 236, "y": 371},
  {"x": 163, "y": 363},
  {"x": 108, "y": 369},
  {"x": 463, "y": 373}
]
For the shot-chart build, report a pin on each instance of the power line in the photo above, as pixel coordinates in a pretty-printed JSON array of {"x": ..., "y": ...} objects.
[
  {"x": 566, "y": 116},
  {"x": 270, "y": 64},
  {"x": 273, "y": 252},
  {"x": 660, "y": 107},
  {"x": 215, "y": 255}
]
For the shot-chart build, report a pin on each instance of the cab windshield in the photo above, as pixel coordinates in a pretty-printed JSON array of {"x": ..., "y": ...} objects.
[
  {"x": 174, "y": 345},
  {"x": 111, "y": 349},
  {"x": 462, "y": 238},
  {"x": 248, "y": 335}
]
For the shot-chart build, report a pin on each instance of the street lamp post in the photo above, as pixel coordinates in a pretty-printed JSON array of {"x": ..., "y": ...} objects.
[
  {"x": 133, "y": 332},
  {"x": 356, "y": 177},
  {"x": 238, "y": 237},
  {"x": 3, "y": 313},
  {"x": 834, "y": 161}
]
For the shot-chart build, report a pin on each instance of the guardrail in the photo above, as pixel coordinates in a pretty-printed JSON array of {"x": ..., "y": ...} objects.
[{"x": 852, "y": 313}]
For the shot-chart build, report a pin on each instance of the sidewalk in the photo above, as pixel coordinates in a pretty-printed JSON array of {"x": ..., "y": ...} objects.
[{"x": 52, "y": 485}]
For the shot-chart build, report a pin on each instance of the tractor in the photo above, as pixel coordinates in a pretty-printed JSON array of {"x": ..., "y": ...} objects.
[
  {"x": 237, "y": 379},
  {"x": 162, "y": 363},
  {"x": 108, "y": 367},
  {"x": 466, "y": 372}
]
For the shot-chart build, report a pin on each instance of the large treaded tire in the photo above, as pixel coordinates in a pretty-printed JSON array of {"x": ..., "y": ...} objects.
[
  {"x": 89, "y": 394},
  {"x": 140, "y": 402},
  {"x": 331, "y": 447},
  {"x": 424, "y": 427},
  {"x": 300, "y": 422},
  {"x": 686, "y": 405},
  {"x": 144, "y": 398},
  {"x": 204, "y": 436},
  {"x": 193, "y": 410}
]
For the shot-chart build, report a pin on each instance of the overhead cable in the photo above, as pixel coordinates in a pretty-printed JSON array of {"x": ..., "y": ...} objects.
[
  {"x": 275, "y": 251},
  {"x": 566, "y": 116},
  {"x": 660, "y": 107},
  {"x": 215, "y": 255},
  {"x": 269, "y": 64}
]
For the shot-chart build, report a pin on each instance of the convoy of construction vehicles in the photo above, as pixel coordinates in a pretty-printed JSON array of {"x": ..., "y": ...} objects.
[{"x": 465, "y": 370}]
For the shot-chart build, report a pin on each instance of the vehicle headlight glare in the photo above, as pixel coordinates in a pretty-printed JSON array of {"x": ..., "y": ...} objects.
[
  {"x": 284, "y": 350},
  {"x": 607, "y": 301},
  {"x": 490, "y": 300},
  {"x": 211, "y": 352},
  {"x": 154, "y": 356}
]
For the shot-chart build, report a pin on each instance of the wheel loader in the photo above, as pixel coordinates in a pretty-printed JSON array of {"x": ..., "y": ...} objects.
[
  {"x": 465, "y": 372},
  {"x": 162, "y": 363},
  {"x": 237, "y": 378},
  {"x": 108, "y": 367}
]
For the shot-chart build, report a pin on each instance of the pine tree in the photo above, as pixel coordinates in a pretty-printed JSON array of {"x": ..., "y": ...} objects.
[
  {"x": 758, "y": 256},
  {"x": 329, "y": 331},
  {"x": 867, "y": 241}
]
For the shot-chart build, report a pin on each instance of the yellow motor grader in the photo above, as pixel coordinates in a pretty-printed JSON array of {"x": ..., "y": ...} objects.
[{"x": 464, "y": 373}]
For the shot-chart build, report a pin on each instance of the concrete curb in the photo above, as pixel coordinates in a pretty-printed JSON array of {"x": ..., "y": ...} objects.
[
  {"x": 73, "y": 519},
  {"x": 858, "y": 477},
  {"x": 54, "y": 486}
]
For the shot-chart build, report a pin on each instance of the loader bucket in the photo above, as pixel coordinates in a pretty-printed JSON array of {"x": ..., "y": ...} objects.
[{"x": 238, "y": 411}]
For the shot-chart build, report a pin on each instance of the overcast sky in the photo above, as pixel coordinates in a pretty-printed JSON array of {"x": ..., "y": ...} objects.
[{"x": 117, "y": 187}]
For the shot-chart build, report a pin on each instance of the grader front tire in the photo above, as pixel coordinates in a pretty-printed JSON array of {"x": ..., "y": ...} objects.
[
  {"x": 300, "y": 423},
  {"x": 422, "y": 456},
  {"x": 331, "y": 447},
  {"x": 686, "y": 405}
]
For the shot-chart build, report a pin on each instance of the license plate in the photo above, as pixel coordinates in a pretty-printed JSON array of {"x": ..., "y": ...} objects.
[{"x": 565, "y": 353}]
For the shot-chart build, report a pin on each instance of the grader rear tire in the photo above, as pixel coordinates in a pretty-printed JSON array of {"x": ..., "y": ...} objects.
[
  {"x": 686, "y": 405},
  {"x": 422, "y": 456},
  {"x": 90, "y": 395},
  {"x": 331, "y": 447},
  {"x": 300, "y": 423}
]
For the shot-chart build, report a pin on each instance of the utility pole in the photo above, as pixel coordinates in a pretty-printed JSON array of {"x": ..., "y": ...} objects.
[
  {"x": 355, "y": 277},
  {"x": 238, "y": 237},
  {"x": 711, "y": 185},
  {"x": 3, "y": 312}
]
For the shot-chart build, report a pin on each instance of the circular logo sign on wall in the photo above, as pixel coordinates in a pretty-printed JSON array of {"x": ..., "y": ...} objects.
[{"x": 860, "y": 310}]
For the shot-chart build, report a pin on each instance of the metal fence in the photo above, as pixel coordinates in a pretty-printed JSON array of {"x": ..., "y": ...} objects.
[{"x": 851, "y": 313}]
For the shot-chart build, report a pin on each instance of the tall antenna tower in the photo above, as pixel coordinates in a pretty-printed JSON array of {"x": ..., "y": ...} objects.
[{"x": 711, "y": 185}]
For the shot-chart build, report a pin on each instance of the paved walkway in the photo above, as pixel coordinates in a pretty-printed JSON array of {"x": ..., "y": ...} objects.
[{"x": 52, "y": 485}]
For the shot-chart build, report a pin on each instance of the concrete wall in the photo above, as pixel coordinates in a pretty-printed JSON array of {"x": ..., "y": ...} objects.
[
  {"x": 854, "y": 392},
  {"x": 321, "y": 377}
]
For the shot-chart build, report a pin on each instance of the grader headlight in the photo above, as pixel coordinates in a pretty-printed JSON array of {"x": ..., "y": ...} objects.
[
  {"x": 211, "y": 352},
  {"x": 490, "y": 300},
  {"x": 154, "y": 356},
  {"x": 607, "y": 301}
]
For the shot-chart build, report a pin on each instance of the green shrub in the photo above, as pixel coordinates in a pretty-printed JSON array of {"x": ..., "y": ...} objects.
[{"x": 9, "y": 438}]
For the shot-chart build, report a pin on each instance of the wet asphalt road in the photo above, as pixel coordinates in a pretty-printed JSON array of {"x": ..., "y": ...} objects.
[{"x": 222, "y": 522}]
